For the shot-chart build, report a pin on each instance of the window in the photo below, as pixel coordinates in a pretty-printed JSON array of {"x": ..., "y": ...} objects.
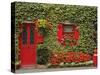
[
  {"x": 24, "y": 35},
  {"x": 31, "y": 34},
  {"x": 68, "y": 28}
]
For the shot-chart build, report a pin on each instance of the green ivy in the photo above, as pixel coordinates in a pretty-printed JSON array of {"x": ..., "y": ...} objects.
[
  {"x": 42, "y": 55},
  {"x": 84, "y": 16}
]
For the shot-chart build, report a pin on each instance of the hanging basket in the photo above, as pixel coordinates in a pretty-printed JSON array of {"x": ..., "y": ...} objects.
[{"x": 43, "y": 26}]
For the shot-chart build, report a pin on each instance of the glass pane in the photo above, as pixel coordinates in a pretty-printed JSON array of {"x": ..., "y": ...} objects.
[
  {"x": 31, "y": 35},
  {"x": 68, "y": 28},
  {"x": 24, "y": 35}
]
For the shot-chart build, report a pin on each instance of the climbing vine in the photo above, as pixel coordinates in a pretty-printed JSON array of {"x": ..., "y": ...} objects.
[{"x": 84, "y": 16}]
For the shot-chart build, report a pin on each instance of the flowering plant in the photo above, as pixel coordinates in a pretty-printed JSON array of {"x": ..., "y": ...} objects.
[{"x": 69, "y": 57}]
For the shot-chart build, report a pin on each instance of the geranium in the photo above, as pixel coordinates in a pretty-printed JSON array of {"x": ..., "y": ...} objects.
[{"x": 58, "y": 57}]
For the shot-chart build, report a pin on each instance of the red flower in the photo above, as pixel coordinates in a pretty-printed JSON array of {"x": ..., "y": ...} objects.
[{"x": 58, "y": 57}]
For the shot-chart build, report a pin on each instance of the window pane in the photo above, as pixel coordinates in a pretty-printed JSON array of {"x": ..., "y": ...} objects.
[
  {"x": 68, "y": 28},
  {"x": 24, "y": 35},
  {"x": 31, "y": 34}
]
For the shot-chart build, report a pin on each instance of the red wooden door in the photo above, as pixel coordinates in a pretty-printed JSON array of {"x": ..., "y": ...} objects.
[{"x": 27, "y": 45}]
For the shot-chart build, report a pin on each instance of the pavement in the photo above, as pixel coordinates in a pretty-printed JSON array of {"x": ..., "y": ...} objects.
[{"x": 30, "y": 70}]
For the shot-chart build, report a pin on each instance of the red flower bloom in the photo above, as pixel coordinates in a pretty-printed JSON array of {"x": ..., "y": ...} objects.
[{"x": 58, "y": 57}]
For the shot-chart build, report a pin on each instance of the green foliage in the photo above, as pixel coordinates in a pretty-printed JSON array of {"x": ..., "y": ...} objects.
[
  {"x": 42, "y": 55},
  {"x": 43, "y": 31}
]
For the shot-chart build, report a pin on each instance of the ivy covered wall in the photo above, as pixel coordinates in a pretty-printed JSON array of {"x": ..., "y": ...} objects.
[{"x": 84, "y": 16}]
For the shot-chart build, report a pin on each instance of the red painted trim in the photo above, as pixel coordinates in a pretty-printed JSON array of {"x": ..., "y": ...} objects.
[
  {"x": 60, "y": 33},
  {"x": 76, "y": 34}
]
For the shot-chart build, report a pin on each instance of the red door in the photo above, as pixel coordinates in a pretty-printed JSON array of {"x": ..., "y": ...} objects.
[{"x": 27, "y": 45}]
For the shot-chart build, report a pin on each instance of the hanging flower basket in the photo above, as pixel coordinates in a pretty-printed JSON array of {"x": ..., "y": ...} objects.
[{"x": 43, "y": 26}]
